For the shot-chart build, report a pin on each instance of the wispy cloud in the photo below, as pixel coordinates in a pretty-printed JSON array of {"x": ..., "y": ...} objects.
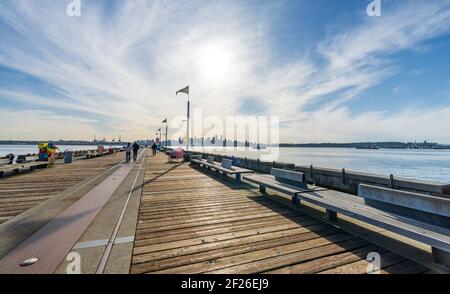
[{"x": 117, "y": 67}]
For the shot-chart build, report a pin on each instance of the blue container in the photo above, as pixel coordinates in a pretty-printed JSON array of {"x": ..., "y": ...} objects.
[{"x": 68, "y": 156}]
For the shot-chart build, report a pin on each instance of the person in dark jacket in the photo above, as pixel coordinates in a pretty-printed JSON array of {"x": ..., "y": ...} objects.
[
  {"x": 136, "y": 148},
  {"x": 154, "y": 148}
]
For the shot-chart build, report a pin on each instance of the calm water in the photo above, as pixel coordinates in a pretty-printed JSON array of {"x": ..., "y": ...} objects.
[
  {"x": 30, "y": 149},
  {"x": 433, "y": 165}
]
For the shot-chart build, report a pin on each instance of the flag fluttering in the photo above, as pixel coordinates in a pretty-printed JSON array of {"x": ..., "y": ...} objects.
[
  {"x": 164, "y": 121},
  {"x": 184, "y": 90}
]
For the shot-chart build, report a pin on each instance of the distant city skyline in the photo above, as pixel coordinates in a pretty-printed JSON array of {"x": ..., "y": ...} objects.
[{"x": 330, "y": 72}]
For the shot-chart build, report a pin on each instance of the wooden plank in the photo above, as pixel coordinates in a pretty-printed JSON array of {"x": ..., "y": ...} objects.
[
  {"x": 309, "y": 252},
  {"x": 328, "y": 262},
  {"x": 360, "y": 267},
  {"x": 23, "y": 191},
  {"x": 354, "y": 207},
  {"x": 189, "y": 222}
]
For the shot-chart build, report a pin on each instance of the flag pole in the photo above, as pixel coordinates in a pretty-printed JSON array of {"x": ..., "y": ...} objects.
[
  {"x": 186, "y": 91},
  {"x": 187, "y": 128}
]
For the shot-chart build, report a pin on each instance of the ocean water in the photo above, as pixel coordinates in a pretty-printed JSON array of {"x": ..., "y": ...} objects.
[
  {"x": 422, "y": 164},
  {"x": 30, "y": 149}
]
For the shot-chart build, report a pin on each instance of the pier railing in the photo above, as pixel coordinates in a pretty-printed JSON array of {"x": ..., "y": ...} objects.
[{"x": 341, "y": 180}]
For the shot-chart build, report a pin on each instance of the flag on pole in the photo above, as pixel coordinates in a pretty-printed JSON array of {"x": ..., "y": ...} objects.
[
  {"x": 164, "y": 121},
  {"x": 159, "y": 130},
  {"x": 184, "y": 90}
]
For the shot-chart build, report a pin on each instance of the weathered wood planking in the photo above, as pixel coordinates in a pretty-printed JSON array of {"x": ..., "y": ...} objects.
[
  {"x": 192, "y": 222},
  {"x": 24, "y": 191}
]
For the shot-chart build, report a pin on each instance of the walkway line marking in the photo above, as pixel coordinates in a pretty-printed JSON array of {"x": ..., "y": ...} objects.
[
  {"x": 102, "y": 242},
  {"x": 104, "y": 259}
]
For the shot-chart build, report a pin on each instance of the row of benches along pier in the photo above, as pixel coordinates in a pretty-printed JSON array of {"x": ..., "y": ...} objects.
[
  {"x": 31, "y": 163},
  {"x": 421, "y": 215}
]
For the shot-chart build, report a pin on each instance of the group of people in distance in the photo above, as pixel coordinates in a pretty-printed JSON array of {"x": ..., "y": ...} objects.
[{"x": 135, "y": 148}]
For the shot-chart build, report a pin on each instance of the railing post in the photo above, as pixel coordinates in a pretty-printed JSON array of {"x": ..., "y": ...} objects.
[{"x": 391, "y": 181}]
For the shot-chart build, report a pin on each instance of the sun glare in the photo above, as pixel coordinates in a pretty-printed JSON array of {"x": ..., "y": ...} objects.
[{"x": 214, "y": 61}]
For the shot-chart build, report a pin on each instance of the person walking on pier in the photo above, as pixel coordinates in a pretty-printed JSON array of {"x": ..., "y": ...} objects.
[
  {"x": 154, "y": 148},
  {"x": 136, "y": 148},
  {"x": 128, "y": 153}
]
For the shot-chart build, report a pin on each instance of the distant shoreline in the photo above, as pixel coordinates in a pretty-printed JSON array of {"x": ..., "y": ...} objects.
[
  {"x": 359, "y": 145},
  {"x": 74, "y": 143}
]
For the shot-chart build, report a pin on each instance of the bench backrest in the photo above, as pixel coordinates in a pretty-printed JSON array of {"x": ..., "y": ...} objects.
[
  {"x": 197, "y": 157},
  {"x": 31, "y": 158},
  {"x": 21, "y": 159},
  {"x": 227, "y": 163},
  {"x": 4, "y": 161},
  {"x": 210, "y": 159},
  {"x": 424, "y": 207},
  {"x": 289, "y": 177}
]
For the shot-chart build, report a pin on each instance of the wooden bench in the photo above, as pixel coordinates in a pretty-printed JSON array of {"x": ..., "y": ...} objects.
[
  {"x": 288, "y": 182},
  {"x": 430, "y": 212},
  {"x": 15, "y": 168},
  {"x": 195, "y": 159},
  {"x": 4, "y": 161},
  {"x": 421, "y": 217},
  {"x": 93, "y": 154},
  {"x": 225, "y": 167}
]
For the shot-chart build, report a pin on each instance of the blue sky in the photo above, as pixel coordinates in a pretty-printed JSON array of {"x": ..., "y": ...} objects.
[{"x": 329, "y": 71}]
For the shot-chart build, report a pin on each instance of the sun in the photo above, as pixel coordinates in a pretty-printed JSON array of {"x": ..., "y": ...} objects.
[{"x": 215, "y": 61}]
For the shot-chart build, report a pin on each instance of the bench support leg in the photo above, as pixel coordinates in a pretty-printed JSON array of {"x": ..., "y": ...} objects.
[
  {"x": 238, "y": 178},
  {"x": 441, "y": 257},
  {"x": 262, "y": 189},
  {"x": 331, "y": 215},
  {"x": 296, "y": 201}
]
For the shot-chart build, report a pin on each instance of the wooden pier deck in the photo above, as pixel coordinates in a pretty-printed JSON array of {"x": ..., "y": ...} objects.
[
  {"x": 24, "y": 191},
  {"x": 172, "y": 218},
  {"x": 192, "y": 222}
]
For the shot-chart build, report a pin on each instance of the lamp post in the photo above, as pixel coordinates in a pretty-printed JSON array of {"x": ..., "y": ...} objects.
[
  {"x": 165, "y": 121},
  {"x": 159, "y": 136}
]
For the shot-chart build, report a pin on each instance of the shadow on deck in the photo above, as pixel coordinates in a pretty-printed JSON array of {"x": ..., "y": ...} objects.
[{"x": 192, "y": 221}]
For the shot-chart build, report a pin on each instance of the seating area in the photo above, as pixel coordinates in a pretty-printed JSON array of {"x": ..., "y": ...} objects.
[
  {"x": 421, "y": 217},
  {"x": 15, "y": 168},
  {"x": 225, "y": 167},
  {"x": 284, "y": 181}
]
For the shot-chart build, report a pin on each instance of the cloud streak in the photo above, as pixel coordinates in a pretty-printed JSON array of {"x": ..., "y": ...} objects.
[{"x": 117, "y": 67}]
